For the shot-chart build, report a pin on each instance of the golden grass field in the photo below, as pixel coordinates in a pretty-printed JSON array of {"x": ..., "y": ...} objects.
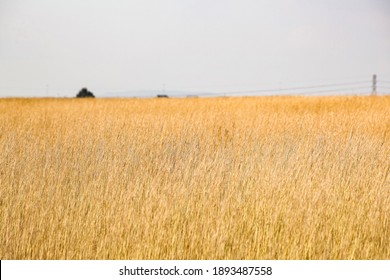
[{"x": 201, "y": 178}]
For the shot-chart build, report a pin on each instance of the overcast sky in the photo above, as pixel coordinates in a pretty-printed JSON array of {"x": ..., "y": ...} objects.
[{"x": 56, "y": 47}]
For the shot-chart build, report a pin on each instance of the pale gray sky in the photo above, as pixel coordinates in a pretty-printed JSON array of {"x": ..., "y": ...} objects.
[{"x": 56, "y": 47}]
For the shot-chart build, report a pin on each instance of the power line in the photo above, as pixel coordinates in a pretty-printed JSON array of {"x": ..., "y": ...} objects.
[
  {"x": 332, "y": 90},
  {"x": 337, "y": 90},
  {"x": 274, "y": 83},
  {"x": 295, "y": 88}
]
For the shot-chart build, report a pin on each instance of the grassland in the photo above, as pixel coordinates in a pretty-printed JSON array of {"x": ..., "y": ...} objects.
[{"x": 224, "y": 178}]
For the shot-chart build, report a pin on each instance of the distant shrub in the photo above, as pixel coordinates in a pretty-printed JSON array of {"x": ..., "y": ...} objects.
[{"x": 84, "y": 92}]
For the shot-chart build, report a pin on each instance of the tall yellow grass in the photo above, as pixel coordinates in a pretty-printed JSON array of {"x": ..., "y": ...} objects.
[{"x": 224, "y": 178}]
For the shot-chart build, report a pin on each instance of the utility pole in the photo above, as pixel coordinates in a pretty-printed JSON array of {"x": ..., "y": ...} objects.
[{"x": 373, "y": 93}]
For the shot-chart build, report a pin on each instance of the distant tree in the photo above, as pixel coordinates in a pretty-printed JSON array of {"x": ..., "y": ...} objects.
[
  {"x": 84, "y": 92},
  {"x": 162, "y": 96}
]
